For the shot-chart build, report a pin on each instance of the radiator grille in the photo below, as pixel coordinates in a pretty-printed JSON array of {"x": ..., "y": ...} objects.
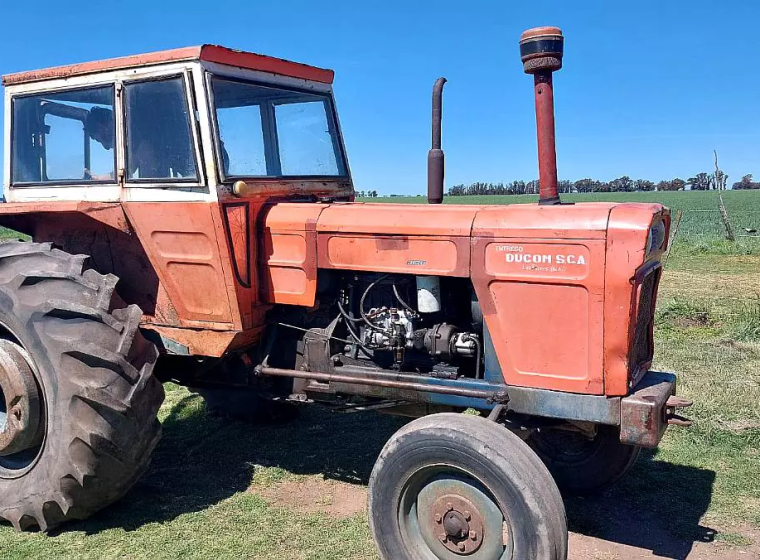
[{"x": 643, "y": 347}]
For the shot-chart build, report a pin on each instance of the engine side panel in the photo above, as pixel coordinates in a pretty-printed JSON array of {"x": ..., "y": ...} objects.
[
  {"x": 543, "y": 302},
  {"x": 288, "y": 259}
]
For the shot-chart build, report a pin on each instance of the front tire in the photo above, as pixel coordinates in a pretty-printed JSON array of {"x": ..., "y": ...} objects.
[
  {"x": 582, "y": 465},
  {"x": 94, "y": 421},
  {"x": 450, "y": 486}
]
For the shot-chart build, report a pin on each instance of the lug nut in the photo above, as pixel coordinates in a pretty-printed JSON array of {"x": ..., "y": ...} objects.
[
  {"x": 438, "y": 518},
  {"x": 473, "y": 535},
  {"x": 462, "y": 547},
  {"x": 449, "y": 507},
  {"x": 467, "y": 516}
]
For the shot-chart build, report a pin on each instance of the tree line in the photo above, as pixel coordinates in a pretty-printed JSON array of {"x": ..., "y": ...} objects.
[{"x": 700, "y": 182}]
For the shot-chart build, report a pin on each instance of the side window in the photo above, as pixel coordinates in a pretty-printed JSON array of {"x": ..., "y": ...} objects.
[
  {"x": 159, "y": 137},
  {"x": 64, "y": 137}
]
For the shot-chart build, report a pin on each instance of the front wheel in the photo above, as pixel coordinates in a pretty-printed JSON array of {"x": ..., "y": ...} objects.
[
  {"x": 581, "y": 464},
  {"x": 451, "y": 486}
]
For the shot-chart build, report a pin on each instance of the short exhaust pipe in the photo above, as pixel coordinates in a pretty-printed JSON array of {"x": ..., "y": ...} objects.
[{"x": 435, "y": 155}]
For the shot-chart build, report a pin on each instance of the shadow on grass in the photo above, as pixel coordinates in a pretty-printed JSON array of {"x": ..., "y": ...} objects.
[
  {"x": 203, "y": 459},
  {"x": 657, "y": 506}
]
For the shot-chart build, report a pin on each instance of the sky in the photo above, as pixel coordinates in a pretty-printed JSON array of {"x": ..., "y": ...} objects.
[{"x": 648, "y": 89}]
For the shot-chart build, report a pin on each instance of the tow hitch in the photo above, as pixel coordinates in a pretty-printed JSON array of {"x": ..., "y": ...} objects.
[
  {"x": 671, "y": 406},
  {"x": 650, "y": 408}
]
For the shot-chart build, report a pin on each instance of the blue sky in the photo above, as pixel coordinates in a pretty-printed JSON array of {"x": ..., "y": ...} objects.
[{"x": 648, "y": 90}]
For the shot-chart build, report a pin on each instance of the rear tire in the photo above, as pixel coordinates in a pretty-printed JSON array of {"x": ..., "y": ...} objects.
[
  {"x": 451, "y": 485},
  {"x": 582, "y": 465},
  {"x": 93, "y": 372}
]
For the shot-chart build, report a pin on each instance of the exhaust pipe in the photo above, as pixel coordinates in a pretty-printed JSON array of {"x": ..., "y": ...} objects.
[
  {"x": 435, "y": 155},
  {"x": 541, "y": 50}
]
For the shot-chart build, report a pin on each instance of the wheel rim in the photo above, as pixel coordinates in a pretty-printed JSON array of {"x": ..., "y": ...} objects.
[
  {"x": 21, "y": 411},
  {"x": 447, "y": 514}
]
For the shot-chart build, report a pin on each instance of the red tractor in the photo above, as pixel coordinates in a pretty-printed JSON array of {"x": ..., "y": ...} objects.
[{"x": 193, "y": 219}]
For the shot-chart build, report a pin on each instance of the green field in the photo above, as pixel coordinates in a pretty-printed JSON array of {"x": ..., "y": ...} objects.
[{"x": 224, "y": 489}]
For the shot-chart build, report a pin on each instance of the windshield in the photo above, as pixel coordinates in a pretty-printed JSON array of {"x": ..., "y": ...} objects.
[{"x": 272, "y": 132}]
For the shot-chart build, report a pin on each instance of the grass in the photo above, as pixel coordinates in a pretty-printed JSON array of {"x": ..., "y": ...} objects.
[{"x": 216, "y": 488}]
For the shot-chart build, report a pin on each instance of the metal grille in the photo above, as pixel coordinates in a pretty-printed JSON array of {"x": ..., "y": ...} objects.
[{"x": 642, "y": 350}]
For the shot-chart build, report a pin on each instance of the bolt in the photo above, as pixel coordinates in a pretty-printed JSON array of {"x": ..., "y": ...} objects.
[
  {"x": 449, "y": 507},
  {"x": 443, "y": 536},
  {"x": 462, "y": 547},
  {"x": 438, "y": 518},
  {"x": 473, "y": 535},
  {"x": 467, "y": 516}
]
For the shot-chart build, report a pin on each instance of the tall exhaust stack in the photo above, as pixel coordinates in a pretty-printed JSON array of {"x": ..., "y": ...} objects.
[
  {"x": 541, "y": 50},
  {"x": 435, "y": 155}
]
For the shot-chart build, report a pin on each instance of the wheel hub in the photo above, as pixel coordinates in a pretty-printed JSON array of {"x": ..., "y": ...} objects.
[
  {"x": 458, "y": 523},
  {"x": 20, "y": 409}
]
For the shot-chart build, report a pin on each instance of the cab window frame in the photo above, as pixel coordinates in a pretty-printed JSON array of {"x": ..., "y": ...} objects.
[
  {"x": 270, "y": 135},
  {"x": 193, "y": 127},
  {"x": 113, "y": 181}
]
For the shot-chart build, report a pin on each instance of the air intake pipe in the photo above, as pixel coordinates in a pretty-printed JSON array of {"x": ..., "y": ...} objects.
[
  {"x": 435, "y": 155},
  {"x": 541, "y": 50}
]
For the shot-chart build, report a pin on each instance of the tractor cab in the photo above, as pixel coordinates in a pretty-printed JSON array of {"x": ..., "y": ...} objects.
[{"x": 190, "y": 121}]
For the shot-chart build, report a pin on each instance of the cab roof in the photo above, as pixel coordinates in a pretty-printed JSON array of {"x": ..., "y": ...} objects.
[{"x": 208, "y": 53}]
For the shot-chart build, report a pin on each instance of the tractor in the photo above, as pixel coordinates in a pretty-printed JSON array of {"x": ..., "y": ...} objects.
[{"x": 192, "y": 219}]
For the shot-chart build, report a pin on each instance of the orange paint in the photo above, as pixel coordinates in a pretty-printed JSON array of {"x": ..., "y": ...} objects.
[
  {"x": 209, "y": 53},
  {"x": 288, "y": 264},
  {"x": 543, "y": 304},
  {"x": 181, "y": 241},
  {"x": 560, "y": 287}
]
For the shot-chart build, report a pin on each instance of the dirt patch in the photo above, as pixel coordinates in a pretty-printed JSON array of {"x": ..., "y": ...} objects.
[
  {"x": 583, "y": 547},
  {"x": 316, "y": 495},
  {"x": 623, "y": 540},
  {"x": 679, "y": 283},
  {"x": 695, "y": 321},
  {"x": 738, "y": 426}
]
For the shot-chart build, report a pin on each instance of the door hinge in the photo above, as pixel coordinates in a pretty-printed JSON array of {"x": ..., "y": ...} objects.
[{"x": 120, "y": 176}]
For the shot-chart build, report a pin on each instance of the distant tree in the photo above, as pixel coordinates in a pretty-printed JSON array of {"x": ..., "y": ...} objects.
[
  {"x": 746, "y": 183},
  {"x": 518, "y": 187},
  {"x": 700, "y": 182},
  {"x": 719, "y": 177},
  {"x": 674, "y": 185},
  {"x": 621, "y": 184},
  {"x": 678, "y": 184},
  {"x": 586, "y": 185},
  {"x": 643, "y": 185},
  {"x": 565, "y": 186},
  {"x": 531, "y": 187}
]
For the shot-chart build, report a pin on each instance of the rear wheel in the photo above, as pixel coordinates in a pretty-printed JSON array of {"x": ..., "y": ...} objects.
[
  {"x": 451, "y": 486},
  {"x": 79, "y": 401},
  {"x": 581, "y": 464}
]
